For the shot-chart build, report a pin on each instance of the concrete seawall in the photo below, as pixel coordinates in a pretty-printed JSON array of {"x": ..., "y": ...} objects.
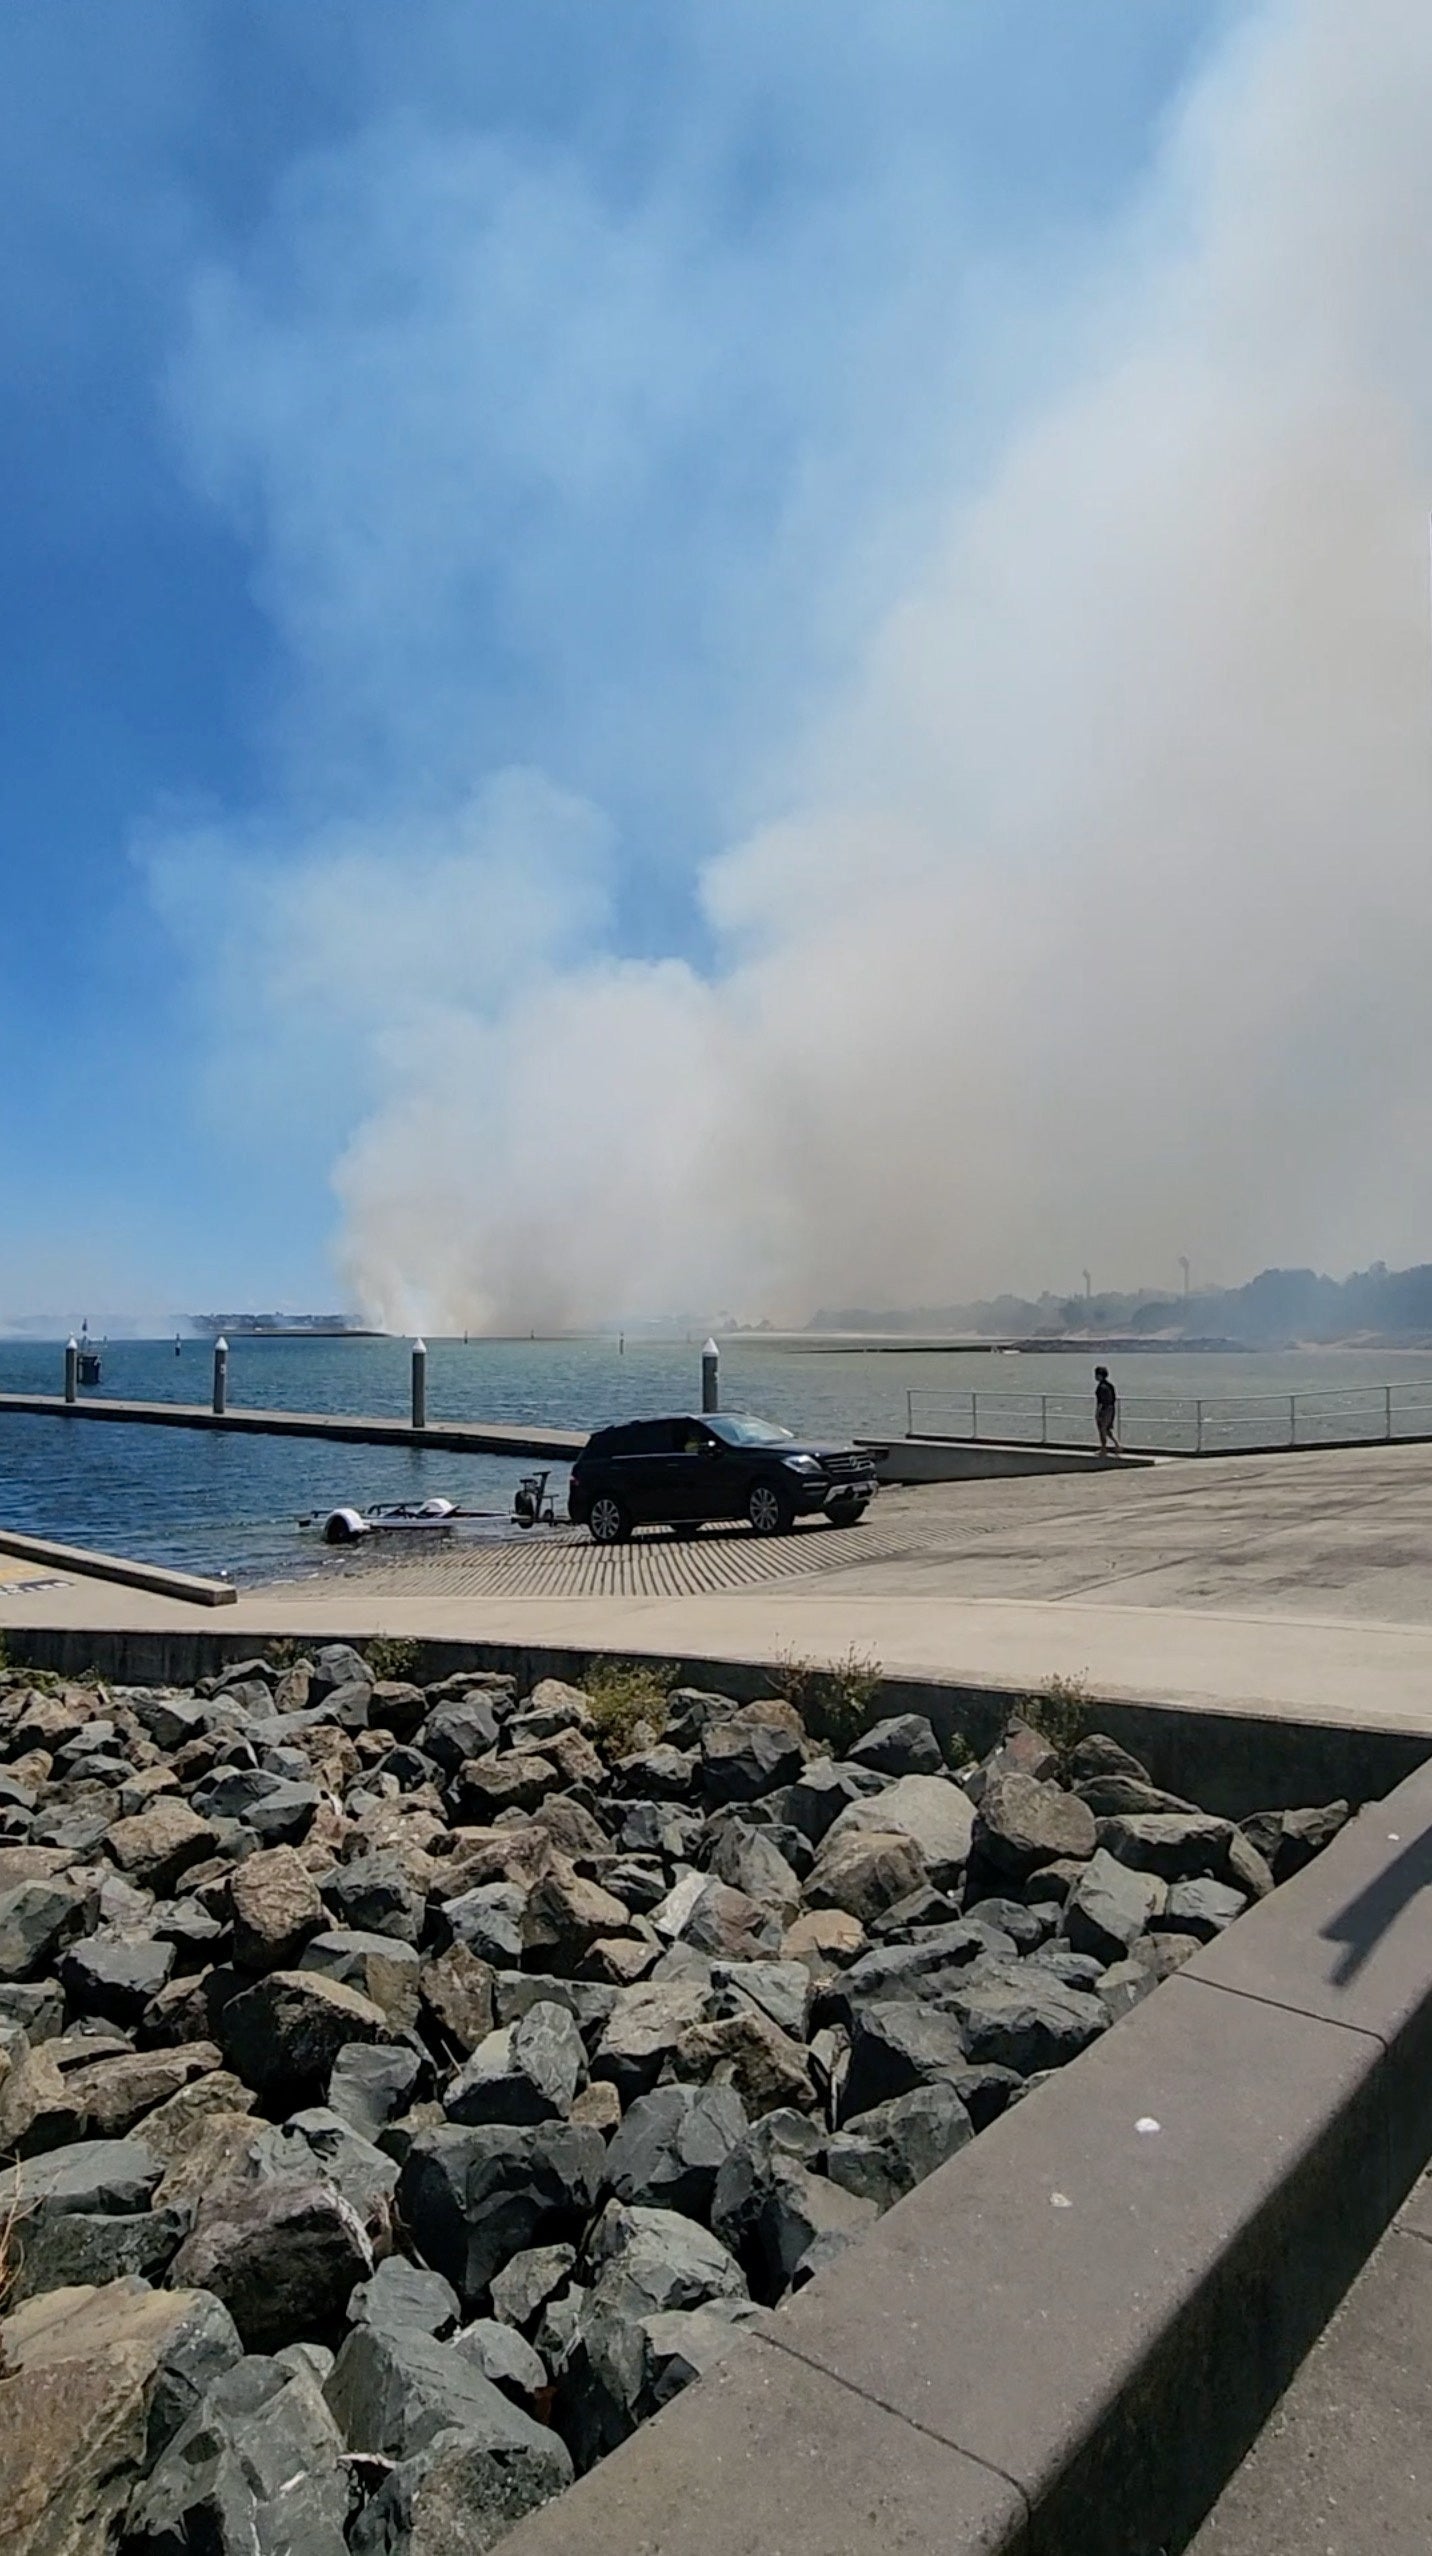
[{"x": 1233, "y": 1762}]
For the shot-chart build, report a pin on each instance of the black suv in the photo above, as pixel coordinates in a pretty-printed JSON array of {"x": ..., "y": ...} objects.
[{"x": 678, "y": 1473}]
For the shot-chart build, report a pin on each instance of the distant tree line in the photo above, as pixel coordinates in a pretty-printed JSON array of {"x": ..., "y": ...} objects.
[{"x": 1279, "y": 1305}]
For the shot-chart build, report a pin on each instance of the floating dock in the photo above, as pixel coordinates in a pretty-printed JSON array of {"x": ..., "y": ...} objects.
[{"x": 449, "y": 1437}]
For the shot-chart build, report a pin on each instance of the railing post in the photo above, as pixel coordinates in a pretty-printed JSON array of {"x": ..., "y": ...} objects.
[
  {"x": 1387, "y": 1402},
  {"x": 420, "y": 1384},
  {"x": 221, "y": 1377},
  {"x": 1292, "y": 1419},
  {"x": 1044, "y": 1419},
  {"x": 72, "y": 1370},
  {"x": 909, "y": 1412},
  {"x": 1198, "y": 1426},
  {"x": 974, "y": 1415}
]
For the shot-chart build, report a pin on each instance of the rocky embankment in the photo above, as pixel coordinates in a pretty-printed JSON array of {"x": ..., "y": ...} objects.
[{"x": 405, "y": 2090}]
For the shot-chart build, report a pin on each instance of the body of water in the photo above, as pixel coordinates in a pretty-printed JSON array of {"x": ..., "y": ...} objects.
[{"x": 216, "y": 1503}]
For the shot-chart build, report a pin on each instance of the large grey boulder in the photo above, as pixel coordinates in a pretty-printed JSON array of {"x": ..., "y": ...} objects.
[
  {"x": 1024, "y": 2018},
  {"x": 780, "y": 1990},
  {"x": 505, "y": 2357},
  {"x": 527, "y": 2072},
  {"x": 256, "y": 2468},
  {"x": 1023, "y": 1823},
  {"x": 749, "y": 1753},
  {"x": 475, "y": 2198},
  {"x": 896, "y": 2047},
  {"x": 750, "y": 1861},
  {"x": 822, "y": 1791},
  {"x": 648, "y": 2263},
  {"x": 769, "y": 2204},
  {"x": 384, "y": 1970},
  {"x": 671, "y": 2145},
  {"x": 404, "y": 2396},
  {"x": 931, "y": 1810},
  {"x": 64, "y": 2250},
  {"x": 282, "y": 2036},
  {"x": 1175, "y": 1845},
  {"x": 369, "y": 2085},
  {"x": 458, "y": 2496},
  {"x": 523, "y": 2287},
  {"x": 464, "y": 1726},
  {"x": 903, "y": 1745},
  {"x": 487, "y": 1920},
  {"x": 37, "y": 1919},
  {"x": 97, "y": 2382},
  {"x": 114, "y": 1979},
  {"x": 1201, "y": 1908},
  {"x": 403, "y": 2297},
  {"x": 283, "y": 2256},
  {"x": 922, "y": 1970},
  {"x": 376, "y": 1895},
  {"x": 864, "y": 1871},
  {"x": 642, "y": 2033},
  {"x": 320, "y": 2146},
  {"x": 97, "y": 2176},
  {"x": 888, "y": 2149},
  {"x": 1110, "y": 1906}
]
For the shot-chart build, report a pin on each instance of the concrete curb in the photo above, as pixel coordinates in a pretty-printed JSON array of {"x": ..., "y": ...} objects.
[
  {"x": 114, "y": 1566},
  {"x": 1230, "y": 1762},
  {"x": 1063, "y": 2342}
]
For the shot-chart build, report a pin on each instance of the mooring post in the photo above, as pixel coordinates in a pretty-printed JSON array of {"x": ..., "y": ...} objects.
[
  {"x": 72, "y": 1370},
  {"x": 710, "y": 1377},
  {"x": 420, "y": 1384},
  {"x": 221, "y": 1376}
]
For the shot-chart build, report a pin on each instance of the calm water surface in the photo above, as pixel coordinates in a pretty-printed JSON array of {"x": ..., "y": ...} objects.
[{"x": 214, "y": 1503}]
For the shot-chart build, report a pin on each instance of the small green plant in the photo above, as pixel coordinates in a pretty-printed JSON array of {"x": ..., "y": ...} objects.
[
  {"x": 956, "y": 1751},
  {"x": 835, "y": 1699},
  {"x": 624, "y": 1693},
  {"x": 282, "y": 1653},
  {"x": 1061, "y": 1713},
  {"x": 390, "y": 1657}
]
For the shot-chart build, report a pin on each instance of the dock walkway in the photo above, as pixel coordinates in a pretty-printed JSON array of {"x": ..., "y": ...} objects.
[{"x": 450, "y": 1437}]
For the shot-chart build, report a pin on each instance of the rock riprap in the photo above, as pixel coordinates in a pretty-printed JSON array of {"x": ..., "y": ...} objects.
[{"x": 402, "y": 2095}]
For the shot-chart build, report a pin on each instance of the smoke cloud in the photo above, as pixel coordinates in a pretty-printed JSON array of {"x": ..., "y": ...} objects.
[{"x": 1075, "y": 900}]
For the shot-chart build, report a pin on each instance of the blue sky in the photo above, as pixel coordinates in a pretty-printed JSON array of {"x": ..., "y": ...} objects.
[{"x": 449, "y": 454}]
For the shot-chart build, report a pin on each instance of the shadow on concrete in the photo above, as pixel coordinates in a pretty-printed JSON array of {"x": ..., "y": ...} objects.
[{"x": 1361, "y": 1924}]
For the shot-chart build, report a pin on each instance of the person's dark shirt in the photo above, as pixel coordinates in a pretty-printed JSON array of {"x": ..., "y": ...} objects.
[{"x": 1105, "y": 1398}]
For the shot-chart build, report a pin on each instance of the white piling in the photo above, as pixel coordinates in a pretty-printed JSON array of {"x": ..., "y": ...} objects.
[{"x": 420, "y": 1384}]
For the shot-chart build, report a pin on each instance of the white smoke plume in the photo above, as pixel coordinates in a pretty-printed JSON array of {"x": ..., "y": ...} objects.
[{"x": 1086, "y": 916}]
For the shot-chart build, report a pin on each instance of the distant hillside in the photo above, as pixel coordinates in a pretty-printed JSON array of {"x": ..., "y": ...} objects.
[{"x": 1277, "y": 1307}]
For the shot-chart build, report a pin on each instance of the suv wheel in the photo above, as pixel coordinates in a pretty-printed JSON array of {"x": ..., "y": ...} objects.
[
  {"x": 608, "y": 1522},
  {"x": 769, "y": 1510}
]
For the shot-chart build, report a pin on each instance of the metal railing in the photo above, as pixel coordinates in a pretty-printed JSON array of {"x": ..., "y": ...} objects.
[{"x": 1181, "y": 1424}]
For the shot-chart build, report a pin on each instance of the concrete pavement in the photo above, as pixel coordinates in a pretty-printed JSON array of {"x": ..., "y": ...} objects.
[
  {"x": 1296, "y": 1585},
  {"x": 1343, "y": 2467}
]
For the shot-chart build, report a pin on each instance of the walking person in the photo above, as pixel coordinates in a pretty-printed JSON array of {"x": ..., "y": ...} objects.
[{"x": 1106, "y": 1411}]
